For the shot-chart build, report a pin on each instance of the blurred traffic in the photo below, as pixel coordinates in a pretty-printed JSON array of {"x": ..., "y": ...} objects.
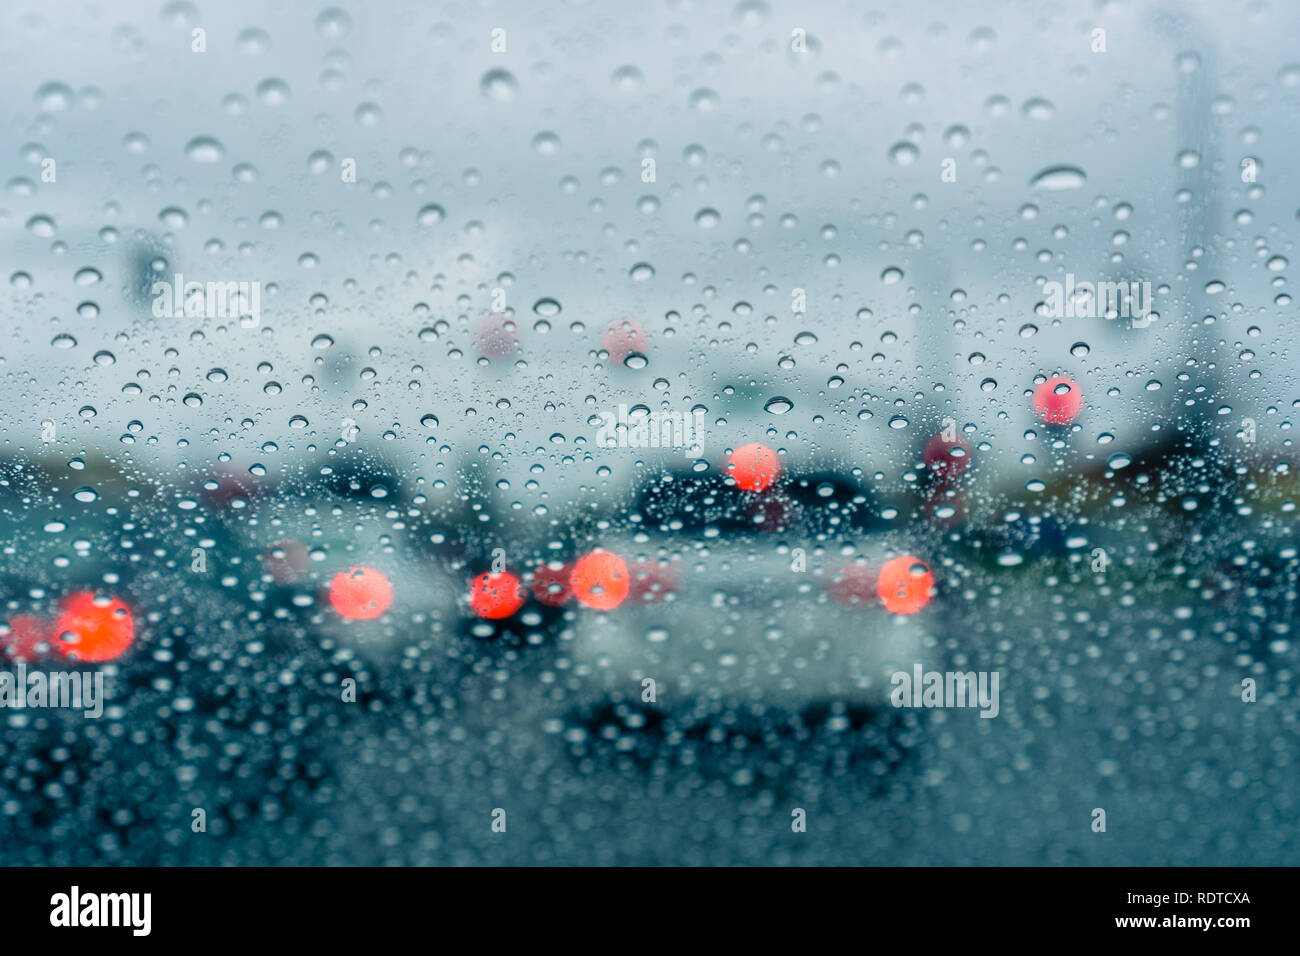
[{"x": 600, "y": 439}]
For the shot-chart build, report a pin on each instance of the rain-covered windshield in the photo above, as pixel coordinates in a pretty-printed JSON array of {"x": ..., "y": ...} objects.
[{"x": 693, "y": 433}]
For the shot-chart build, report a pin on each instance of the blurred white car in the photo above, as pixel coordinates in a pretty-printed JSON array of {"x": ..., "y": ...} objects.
[{"x": 718, "y": 624}]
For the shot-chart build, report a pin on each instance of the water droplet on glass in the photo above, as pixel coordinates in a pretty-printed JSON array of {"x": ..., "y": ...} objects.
[
  {"x": 54, "y": 97},
  {"x": 627, "y": 79},
  {"x": 204, "y": 149},
  {"x": 333, "y": 23},
  {"x": 1055, "y": 178},
  {"x": 1038, "y": 109},
  {"x": 704, "y": 100},
  {"x": 778, "y": 405},
  {"x": 431, "y": 215},
  {"x": 499, "y": 85},
  {"x": 546, "y": 143},
  {"x": 904, "y": 153}
]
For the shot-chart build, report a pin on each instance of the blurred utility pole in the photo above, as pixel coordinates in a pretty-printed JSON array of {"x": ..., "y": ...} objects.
[{"x": 1199, "y": 222}]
